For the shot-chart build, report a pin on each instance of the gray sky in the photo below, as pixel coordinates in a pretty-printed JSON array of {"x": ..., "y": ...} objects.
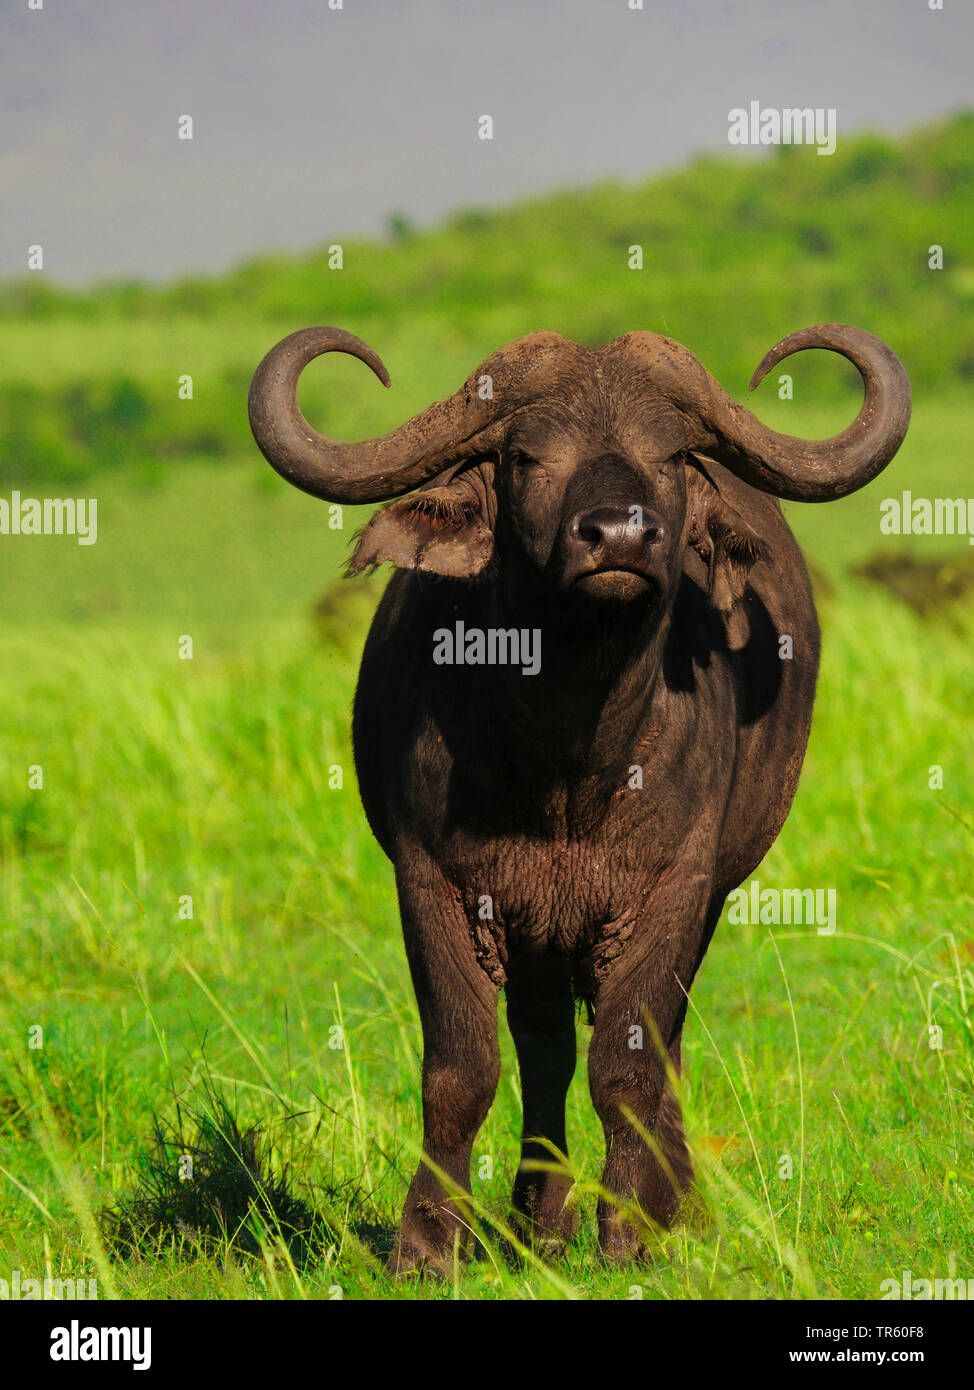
[{"x": 312, "y": 123}]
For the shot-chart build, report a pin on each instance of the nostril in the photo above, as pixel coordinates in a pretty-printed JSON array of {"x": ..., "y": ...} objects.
[{"x": 618, "y": 528}]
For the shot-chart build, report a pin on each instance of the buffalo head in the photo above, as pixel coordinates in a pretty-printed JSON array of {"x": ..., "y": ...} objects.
[{"x": 584, "y": 471}]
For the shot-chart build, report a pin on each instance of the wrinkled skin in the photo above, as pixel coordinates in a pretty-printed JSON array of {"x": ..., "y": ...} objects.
[
  {"x": 481, "y": 780},
  {"x": 574, "y": 833}
]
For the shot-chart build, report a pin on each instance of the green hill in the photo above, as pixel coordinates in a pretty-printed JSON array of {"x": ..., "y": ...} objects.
[{"x": 737, "y": 252}]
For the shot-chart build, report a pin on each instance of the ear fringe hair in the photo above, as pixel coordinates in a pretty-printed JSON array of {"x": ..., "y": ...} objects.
[
  {"x": 447, "y": 512},
  {"x": 739, "y": 548},
  {"x": 351, "y": 569}
]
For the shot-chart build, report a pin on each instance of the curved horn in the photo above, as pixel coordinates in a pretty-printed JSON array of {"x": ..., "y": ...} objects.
[
  {"x": 798, "y": 470},
  {"x": 375, "y": 469}
]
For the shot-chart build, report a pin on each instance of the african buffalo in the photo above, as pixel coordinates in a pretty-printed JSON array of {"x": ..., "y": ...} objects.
[{"x": 569, "y": 828}]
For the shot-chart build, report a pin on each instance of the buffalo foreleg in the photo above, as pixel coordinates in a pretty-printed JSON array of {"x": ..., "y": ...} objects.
[
  {"x": 461, "y": 1066},
  {"x": 634, "y": 1059}
]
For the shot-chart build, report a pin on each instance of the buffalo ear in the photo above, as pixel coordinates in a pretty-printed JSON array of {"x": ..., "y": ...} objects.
[
  {"x": 438, "y": 531},
  {"x": 733, "y": 549},
  {"x": 726, "y": 544}
]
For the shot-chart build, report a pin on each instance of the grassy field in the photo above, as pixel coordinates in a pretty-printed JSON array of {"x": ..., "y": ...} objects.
[
  {"x": 209, "y": 778},
  {"x": 198, "y": 921}
]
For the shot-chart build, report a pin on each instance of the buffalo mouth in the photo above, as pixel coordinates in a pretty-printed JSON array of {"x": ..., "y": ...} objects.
[
  {"x": 616, "y": 582},
  {"x": 611, "y": 567}
]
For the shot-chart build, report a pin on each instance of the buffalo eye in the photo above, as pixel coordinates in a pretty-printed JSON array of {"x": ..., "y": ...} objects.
[
  {"x": 667, "y": 469},
  {"x": 519, "y": 459}
]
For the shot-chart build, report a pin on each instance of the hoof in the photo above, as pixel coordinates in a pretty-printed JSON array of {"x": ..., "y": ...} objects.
[{"x": 428, "y": 1242}]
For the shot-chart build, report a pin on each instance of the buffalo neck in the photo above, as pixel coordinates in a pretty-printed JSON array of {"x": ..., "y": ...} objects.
[{"x": 598, "y": 679}]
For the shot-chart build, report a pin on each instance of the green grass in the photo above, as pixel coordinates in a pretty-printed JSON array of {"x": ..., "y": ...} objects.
[{"x": 210, "y": 777}]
